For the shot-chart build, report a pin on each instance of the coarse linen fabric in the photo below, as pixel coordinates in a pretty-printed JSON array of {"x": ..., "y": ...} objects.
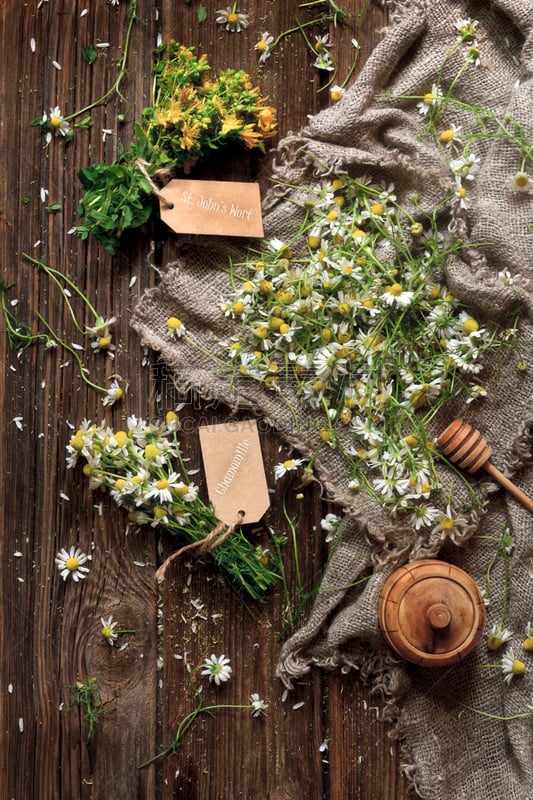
[{"x": 451, "y": 751}]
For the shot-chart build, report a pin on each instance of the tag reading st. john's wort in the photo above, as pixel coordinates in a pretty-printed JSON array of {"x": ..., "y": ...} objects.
[
  {"x": 234, "y": 470},
  {"x": 215, "y": 208}
]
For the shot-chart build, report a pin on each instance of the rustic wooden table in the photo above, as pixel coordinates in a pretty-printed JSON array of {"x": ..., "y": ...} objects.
[{"x": 51, "y": 630}]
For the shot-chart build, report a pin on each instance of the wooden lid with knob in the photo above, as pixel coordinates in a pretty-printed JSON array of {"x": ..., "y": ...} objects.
[{"x": 431, "y": 613}]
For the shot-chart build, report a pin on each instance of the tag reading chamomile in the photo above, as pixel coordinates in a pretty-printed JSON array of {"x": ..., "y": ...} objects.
[
  {"x": 217, "y": 208},
  {"x": 234, "y": 470}
]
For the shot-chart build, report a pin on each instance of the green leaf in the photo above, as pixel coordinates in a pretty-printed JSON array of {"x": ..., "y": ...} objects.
[
  {"x": 89, "y": 54},
  {"x": 53, "y": 208},
  {"x": 202, "y": 13}
]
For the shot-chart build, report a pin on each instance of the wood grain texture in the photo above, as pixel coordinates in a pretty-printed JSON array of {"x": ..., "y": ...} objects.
[{"x": 51, "y": 629}]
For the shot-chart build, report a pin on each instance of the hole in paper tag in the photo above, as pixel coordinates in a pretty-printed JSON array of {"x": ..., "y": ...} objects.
[
  {"x": 234, "y": 470},
  {"x": 217, "y": 208}
]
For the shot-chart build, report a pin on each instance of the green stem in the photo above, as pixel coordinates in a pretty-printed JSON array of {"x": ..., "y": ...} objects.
[
  {"x": 74, "y": 354},
  {"x": 132, "y": 11}
]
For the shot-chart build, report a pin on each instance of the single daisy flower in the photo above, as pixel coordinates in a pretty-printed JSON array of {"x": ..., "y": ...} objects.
[
  {"x": 528, "y": 641},
  {"x": 113, "y": 394},
  {"x": 475, "y": 392},
  {"x": 449, "y": 136},
  {"x": 108, "y": 630},
  {"x": 287, "y": 466},
  {"x": 258, "y": 705},
  {"x": 429, "y": 99},
  {"x": 336, "y": 93},
  {"x": 520, "y": 182},
  {"x": 467, "y": 29},
  {"x": 217, "y": 668},
  {"x": 511, "y": 666},
  {"x": 263, "y": 46},
  {"x": 330, "y": 524},
  {"x": 56, "y": 122},
  {"x": 175, "y": 327},
  {"x": 71, "y": 563},
  {"x": 450, "y": 524},
  {"x": 498, "y": 636},
  {"x": 233, "y": 20}
]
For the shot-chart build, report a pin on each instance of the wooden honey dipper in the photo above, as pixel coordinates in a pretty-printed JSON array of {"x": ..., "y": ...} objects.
[{"x": 468, "y": 449}]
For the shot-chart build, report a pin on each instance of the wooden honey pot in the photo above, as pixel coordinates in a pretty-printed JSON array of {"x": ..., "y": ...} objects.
[{"x": 431, "y": 613}]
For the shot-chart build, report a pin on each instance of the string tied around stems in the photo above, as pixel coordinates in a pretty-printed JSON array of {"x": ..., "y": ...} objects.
[
  {"x": 214, "y": 539},
  {"x": 141, "y": 164}
]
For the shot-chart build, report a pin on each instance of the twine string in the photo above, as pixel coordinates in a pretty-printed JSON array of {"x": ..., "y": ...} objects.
[
  {"x": 214, "y": 539},
  {"x": 141, "y": 165}
]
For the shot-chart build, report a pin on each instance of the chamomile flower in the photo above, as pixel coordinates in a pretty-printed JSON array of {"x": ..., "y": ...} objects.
[
  {"x": 511, "y": 666},
  {"x": 231, "y": 19},
  {"x": 497, "y": 636},
  {"x": 449, "y": 136},
  {"x": 475, "y": 392},
  {"x": 336, "y": 93},
  {"x": 175, "y": 327},
  {"x": 429, "y": 99},
  {"x": 461, "y": 193},
  {"x": 162, "y": 490},
  {"x": 520, "y": 183},
  {"x": 290, "y": 465},
  {"x": 258, "y": 705},
  {"x": 467, "y": 29},
  {"x": 528, "y": 641},
  {"x": 263, "y": 46},
  {"x": 450, "y": 525},
  {"x": 330, "y": 524},
  {"x": 466, "y": 167},
  {"x": 396, "y": 295},
  {"x": 217, "y": 668},
  {"x": 57, "y": 122},
  {"x": 71, "y": 563},
  {"x": 108, "y": 630},
  {"x": 113, "y": 394}
]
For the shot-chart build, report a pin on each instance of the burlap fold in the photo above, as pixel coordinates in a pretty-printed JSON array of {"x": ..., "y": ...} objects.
[{"x": 451, "y": 752}]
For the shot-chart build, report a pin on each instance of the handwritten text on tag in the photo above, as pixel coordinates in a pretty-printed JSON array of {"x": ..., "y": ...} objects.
[
  {"x": 217, "y": 208},
  {"x": 234, "y": 470}
]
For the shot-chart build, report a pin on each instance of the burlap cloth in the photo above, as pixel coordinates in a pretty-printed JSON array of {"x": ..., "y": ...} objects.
[{"x": 449, "y": 752}]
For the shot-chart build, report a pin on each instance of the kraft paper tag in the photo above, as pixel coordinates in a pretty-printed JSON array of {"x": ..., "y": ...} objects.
[
  {"x": 217, "y": 208},
  {"x": 234, "y": 470}
]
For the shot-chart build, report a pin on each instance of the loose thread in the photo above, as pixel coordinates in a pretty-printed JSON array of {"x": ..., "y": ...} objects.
[
  {"x": 141, "y": 165},
  {"x": 214, "y": 539}
]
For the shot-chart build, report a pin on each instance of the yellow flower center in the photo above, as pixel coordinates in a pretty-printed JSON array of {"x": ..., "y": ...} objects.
[
  {"x": 447, "y": 524},
  {"x": 461, "y": 191},
  {"x": 171, "y": 417},
  {"x": 470, "y": 325},
  {"x": 411, "y": 440},
  {"x": 151, "y": 452},
  {"x": 377, "y": 208},
  {"x": 313, "y": 242},
  {"x": 232, "y": 17},
  {"x": 528, "y": 644},
  {"x": 162, "y": 484},
  {"x": 429, "y": 98},
  {"x": 55, "y": 121},
  {"x": 77, "y": 442},
  {"x": 120, "y": 483},
  {"x": 289, "y": 464},
  {"x": 181, "y": 491},
  {"x": 332, "y": 215},
  {"x": 238, "y": 308},
  {"x": 261, "y": 46},
  {"x": 447, "y": 136},
  {"x": 521, "y": 180},
  {"x": 173, "y": 323},
  {"x": 518, "y": 667},
  {"x": 284, "y": 328},
  {"x": 121, "y": 438},
  {"x": 107, "y": 631},
  {"x": 261, "y": 332},
  {"x": 72, "y": 564},
  {"x": 395, "y": 289},
  {"x": 104, "y": 342}
]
